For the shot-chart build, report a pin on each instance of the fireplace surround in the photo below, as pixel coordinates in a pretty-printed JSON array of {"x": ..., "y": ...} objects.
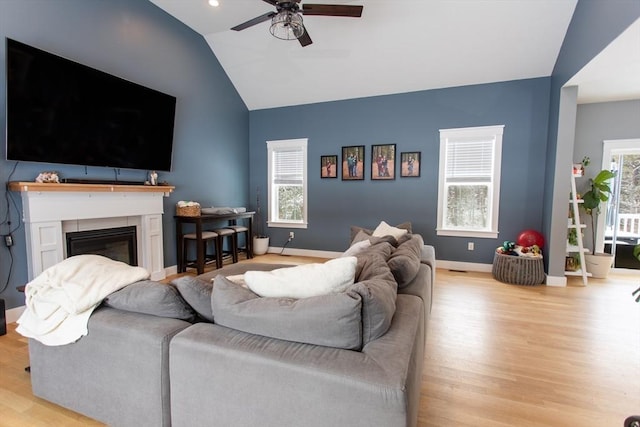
[{"x": 50, "y": 211}]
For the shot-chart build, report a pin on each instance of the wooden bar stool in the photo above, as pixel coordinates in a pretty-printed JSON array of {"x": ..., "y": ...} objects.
[
  {"x": 240, "y": 229},
  {"x": 208, "y": 258},
  {"x": 233, "y": 249}
]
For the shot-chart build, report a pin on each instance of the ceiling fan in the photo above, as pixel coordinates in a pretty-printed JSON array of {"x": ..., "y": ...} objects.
[{"x": 286, "y": 22}]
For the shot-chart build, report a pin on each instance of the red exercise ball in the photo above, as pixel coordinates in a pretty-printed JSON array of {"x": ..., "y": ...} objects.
[{"x": 529, "y": 238}]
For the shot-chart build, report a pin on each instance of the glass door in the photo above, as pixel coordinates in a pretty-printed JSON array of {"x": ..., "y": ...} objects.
[{"x": 622, "y": 218}]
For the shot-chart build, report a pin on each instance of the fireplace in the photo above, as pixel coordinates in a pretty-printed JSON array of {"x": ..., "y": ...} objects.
[
  {"x": 116, "y": 243},
  {"x": 50, "y": 211}
]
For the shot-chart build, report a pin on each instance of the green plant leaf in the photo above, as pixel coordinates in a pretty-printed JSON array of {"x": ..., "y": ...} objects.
[{"x": 636, "y": 252}]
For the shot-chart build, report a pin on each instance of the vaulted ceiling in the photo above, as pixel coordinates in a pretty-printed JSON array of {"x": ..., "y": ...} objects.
[{"x": 396, "y": 46}]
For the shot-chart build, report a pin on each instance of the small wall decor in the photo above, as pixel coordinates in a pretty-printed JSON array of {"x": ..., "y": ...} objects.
[
  {"x": 410, "y": 164},
  {"x": 329, "y": 166},
  {"x": 383, "y": 161},
  {"x": 51, "y": 177},
  {"x": 353, "y": 163}
]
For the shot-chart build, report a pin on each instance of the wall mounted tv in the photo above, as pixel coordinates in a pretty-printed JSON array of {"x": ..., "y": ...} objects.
[{"x": 59, "y": 111}]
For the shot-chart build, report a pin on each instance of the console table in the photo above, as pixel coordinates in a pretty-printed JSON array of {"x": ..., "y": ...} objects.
[{"x": 202, "y": 219}]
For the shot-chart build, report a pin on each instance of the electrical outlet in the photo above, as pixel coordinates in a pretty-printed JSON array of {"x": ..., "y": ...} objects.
[
  {"x": 291, "y": 235},
  {"x": 8, "y": 240},
  {"x": 470, "y": 246}
]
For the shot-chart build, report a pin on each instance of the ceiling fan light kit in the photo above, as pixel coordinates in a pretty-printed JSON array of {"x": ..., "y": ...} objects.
[{"x": 286, "y": 23}]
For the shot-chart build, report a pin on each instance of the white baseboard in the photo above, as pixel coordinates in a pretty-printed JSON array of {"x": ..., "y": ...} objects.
[
  {"x": 304, "y": 252},
  {"x": 171, "y": 270},
  {"x": 556, "y": 281},
  {"x": 464, "y": 266},
  {"x": 14, "y": 314}
]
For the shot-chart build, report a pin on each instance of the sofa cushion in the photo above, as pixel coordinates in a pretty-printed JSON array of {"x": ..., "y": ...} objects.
[
  {"x": 303, "y": 281},
  {"x": 384, "y": 229},
  {"x": 197, "y": 293},
  {"x": 378, "y": 292},
  {"x": 404, "y": 261},
  {"x": 149, "y": 297},
  {"x": 357, "y": 247},
  {"x": 354, "y": 230},
  {"x": 332, "y": 320},
  {"x": 369, "y": 258}
]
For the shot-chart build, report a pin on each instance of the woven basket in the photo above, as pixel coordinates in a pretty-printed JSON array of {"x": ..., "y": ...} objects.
[
  {"x": 518, "y": 270},
  {"x": 188, "y": 210}
]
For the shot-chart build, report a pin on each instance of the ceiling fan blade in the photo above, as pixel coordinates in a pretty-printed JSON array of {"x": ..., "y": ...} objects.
[
  {"x": 304, "y": 39},
  {"x": 254, "y": 21},
  {"x": 271, "y": 2},
  {"x": 332, "y": 10}
]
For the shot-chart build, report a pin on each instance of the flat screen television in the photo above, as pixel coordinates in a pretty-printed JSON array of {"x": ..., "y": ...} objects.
[{"x": 60, "y": 111}]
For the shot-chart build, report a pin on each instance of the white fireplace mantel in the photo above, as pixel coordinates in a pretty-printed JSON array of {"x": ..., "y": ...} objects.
[{"x": 50, "y": 210}]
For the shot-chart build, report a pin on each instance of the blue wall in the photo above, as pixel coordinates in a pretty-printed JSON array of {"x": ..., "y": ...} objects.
[
  {"x": 593, "y": 26},
  {"x": 412, "y": 122},
  {"x": 135, "y": 40}
]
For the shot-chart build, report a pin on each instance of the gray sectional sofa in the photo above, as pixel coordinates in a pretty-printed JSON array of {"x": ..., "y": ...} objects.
[{"x": 213, "y": 367}]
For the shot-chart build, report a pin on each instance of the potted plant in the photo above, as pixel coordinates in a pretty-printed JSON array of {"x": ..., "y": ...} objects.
[
  {"x": 260, "y": 240},
  {"x": 598, "y": 264}
]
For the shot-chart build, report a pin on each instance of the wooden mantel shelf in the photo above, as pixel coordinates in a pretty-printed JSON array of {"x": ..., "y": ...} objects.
[{"x": 23, "y": 186}]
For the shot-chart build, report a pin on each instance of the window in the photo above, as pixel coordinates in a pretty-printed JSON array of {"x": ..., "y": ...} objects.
[
  {"x": 287, "y": 172},
  {"x": 469, "y": 181}
]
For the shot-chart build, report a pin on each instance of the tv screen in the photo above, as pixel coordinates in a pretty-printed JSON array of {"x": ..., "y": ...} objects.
[{"x": 59, "y": 111}]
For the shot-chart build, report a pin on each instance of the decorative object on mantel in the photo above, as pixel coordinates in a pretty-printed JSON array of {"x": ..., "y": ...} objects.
[
  {"x": 48, "y": 177},
  {"x": 189, "y": 208},
  {"x": 153, "y": 178}
]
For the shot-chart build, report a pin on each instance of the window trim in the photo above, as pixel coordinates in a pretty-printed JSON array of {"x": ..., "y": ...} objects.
[
  {"x": 273, "y": 146},
  {"x": 495, "y": 132}
]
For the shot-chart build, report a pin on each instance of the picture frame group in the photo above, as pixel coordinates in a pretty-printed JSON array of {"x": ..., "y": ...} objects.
[{"x": 383, "y": 166}]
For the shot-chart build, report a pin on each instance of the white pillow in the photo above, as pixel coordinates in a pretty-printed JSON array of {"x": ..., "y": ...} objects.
[
  {"x": 304, "y": 281},
  {"x": 356, "y": 248},
  {"x": 384, "y": 229}
]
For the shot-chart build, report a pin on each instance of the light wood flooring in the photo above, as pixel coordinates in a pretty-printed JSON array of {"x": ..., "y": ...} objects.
[{"x": 497, "y": 355}]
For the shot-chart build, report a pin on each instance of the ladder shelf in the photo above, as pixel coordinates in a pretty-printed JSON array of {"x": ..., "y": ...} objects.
[{"x": 574, "y": 223}]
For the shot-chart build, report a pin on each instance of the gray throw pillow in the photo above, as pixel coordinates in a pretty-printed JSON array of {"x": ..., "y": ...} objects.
[
  {"x": 378, "y": 295},
  {"x": 332, "y": 320},
  {"x": 354, "y": 230},
  {"x": 197, "y": 293},
  {"x": 404, "y": 261},
  {"x": 151, "y": 297},
  {"x": 370, "y": 259}
]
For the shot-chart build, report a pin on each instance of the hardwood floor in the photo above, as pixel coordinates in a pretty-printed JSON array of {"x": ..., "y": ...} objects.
[{"x": 497, "y": 355}]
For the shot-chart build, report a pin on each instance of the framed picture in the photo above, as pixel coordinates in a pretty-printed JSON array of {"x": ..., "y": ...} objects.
[
  {"x": 329, "y": 166},
  {"x": 571, "y": 264},
  {"x": 410, "y": 164},
  {"x": 353, "y": 163},
  {"x": 383, "y": 161}
]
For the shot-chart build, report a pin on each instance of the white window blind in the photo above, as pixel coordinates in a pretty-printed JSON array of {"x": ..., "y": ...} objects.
[
  {"x": 469, "y": 159},
  {"x": 288, "y": 166}
]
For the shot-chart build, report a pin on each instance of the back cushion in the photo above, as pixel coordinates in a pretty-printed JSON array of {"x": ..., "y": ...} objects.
[
  {"x": 378, "y": 293},
  {"x": 370, "y": 259},
  {"x": 332, "y": 320},
  {"x": 404, "y": 261},
  {"x": 150, "y": 297}
]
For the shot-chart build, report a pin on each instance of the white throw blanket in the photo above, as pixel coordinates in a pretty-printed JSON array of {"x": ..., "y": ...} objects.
[{"x": 60, "y": 300}]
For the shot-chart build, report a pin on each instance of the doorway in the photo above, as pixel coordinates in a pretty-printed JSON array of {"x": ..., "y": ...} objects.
[{"x": 621, "y": 223}]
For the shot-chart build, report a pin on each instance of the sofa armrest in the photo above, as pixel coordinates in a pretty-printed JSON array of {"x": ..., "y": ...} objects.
[
  {"x": 117, "y": 374},
  {"x": 254, "y": 380}
]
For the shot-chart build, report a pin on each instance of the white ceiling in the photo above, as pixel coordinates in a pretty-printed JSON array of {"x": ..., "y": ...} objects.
[
  {"x": 613, "y": 75},
  {"x": 396, "y": 46}
]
